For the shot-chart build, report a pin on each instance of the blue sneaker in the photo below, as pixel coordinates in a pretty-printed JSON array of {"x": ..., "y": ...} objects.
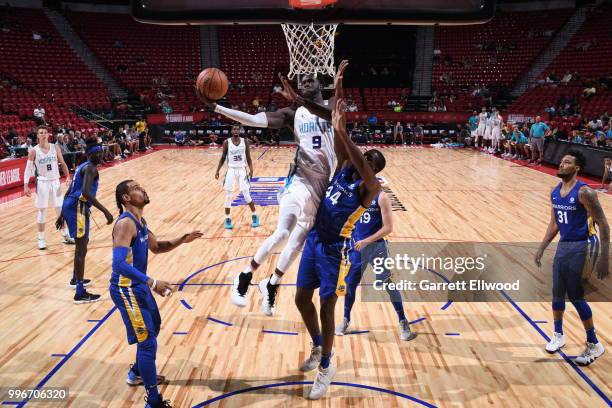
[
  {"x": 255, "y": 222},
  {"x": 134, "y": 380},
  {"x": 228, "y": 223}
]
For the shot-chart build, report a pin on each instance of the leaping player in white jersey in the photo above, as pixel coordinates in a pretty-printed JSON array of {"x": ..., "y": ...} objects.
[
  {"x": 480, "y": 131},
  {"x": 236, "y": 151},
  {"x": 44, "y": 160},
  {"x": 496, "y": 134},
  {"x": 306, "y": 183}
]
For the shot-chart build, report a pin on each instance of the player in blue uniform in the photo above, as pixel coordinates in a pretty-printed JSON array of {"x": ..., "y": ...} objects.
[
  {"x": 75, "y": 212},
  {"x": 325, "y": 262},
  {"x": 130, "y": 287},
  {"x": 575, "y": 214},
  {"x": 372, "y": 227}
]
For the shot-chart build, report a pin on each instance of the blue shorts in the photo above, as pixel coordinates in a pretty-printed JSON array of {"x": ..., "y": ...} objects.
[
  {"x": 76, "y": 214},
  {"x": 138, "y": 310},
  {"x": 366, "y": 257},
  {"x": 572, "y": 260},
  {"x": 325, "y": 266}
]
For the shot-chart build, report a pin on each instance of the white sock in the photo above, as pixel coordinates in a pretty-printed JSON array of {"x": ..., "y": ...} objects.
[
  {"x": 248, "y": 269},
  {"x": 227, "y": 216},
  {"x": 66, "y": 232},
  {"x": 275, "y": 279},
  {"x": 41, "y": 235}
]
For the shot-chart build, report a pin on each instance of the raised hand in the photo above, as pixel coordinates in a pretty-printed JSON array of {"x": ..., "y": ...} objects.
[
  {"x": 338, "y": 79},
  {"x": 288, "y": 92},
  {"x": 339, "y": 115}
]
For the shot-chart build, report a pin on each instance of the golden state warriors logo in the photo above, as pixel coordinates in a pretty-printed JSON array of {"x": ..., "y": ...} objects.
[{"x": 341, "y": 289}]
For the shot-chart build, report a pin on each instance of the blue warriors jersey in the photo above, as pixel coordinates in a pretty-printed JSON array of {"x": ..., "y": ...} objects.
[
  {"x": 571, "y": 216},
  {"x": 76, "y": 188},
  {"x": 138, "y": 254},
  {"x": 340, "y": 209},
  {"x": 370, "y": 222}
]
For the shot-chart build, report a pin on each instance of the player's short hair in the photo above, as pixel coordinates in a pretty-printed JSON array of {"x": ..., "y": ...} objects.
[
  {"x": 121, "y": 189},
  {"x": 578, "y": 156},
  {"x": 377, "y": 158},
  {"x": 41, "y": 127}
]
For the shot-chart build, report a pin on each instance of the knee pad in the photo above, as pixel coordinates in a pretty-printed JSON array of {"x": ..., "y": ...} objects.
[
  {"x": 247, "y": 196},
  {"x": 558, "y": 305},
  {"x": 228, "y": 199},
  {"x": 583, "y": 309},
  {"x": 40, "y": 218}
]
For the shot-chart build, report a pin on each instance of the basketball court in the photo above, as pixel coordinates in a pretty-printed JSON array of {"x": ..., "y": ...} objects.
[{"x": 465, "y": 354}]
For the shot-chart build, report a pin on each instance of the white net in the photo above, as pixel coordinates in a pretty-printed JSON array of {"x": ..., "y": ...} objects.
[{"x": 311, "y": 49}]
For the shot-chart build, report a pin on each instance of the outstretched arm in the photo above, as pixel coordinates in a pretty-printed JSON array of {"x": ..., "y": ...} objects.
[
  {"x": 158, "y": 247},
  {"x": 274, "y": 120},
  {"x": 339, "y": 148},
  {"x": 588, "y": 198},
  {"x": 370, "y": 183}
]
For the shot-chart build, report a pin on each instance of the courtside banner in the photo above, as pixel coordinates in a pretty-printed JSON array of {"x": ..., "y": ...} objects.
[
  {"x": 481, "y": 272},
  {"x": 11, "y": 173}
]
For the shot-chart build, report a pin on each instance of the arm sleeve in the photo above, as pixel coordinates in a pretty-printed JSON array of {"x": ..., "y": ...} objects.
[
  {"x": 259, "y": 120},
  {"x": 121, "y": 266}
]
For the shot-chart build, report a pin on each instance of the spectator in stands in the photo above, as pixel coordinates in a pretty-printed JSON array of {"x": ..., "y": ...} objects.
[
  {"x": 277, "y": 88},
  {"x": 141, "y": 127},
  {"x": 589, "y": 92},
  {"x": 255, "y": 102},
  {"x": 69, "y": 156},
  {"x": 578, "y": 137},
  {"x": 566, "y": 78},
  {"x": 595, "y": 124},
  {"x": 607, "y": 175},
  {"x": 398, "y": 133},
  {"x": 537, "y": 132},
  {"x": 252, "y": 137},
  {"x": 32, "y": 136},
  {"x": 358, "y": 136},
  {"x": 39, "y": 114},
  {"x": 11, "y": 135},
  {"x": 600, "y": 139}
]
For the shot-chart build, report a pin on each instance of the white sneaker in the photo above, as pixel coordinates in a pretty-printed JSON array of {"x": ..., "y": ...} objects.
[
  {"x": 68, "y": 240},
  {"x": 405, "y": 333},
  {"x": 42, "y": 244},
  {"x": 268, "y": 296},
  {"x": 321, "y": 383},
  {"x": 313, "y": 360},
  {"x": 342, "y": 328},
  {"x": 556, "y": 342},
  {"x": 590, "y": 354},
  {"x": 240, "y": 287}
]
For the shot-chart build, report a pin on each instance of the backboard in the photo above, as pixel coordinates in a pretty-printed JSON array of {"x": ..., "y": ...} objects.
[{"x": 313, "y": 11}]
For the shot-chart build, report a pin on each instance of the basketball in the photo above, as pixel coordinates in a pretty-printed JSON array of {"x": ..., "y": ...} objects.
[{"x": 212, "y": 83}]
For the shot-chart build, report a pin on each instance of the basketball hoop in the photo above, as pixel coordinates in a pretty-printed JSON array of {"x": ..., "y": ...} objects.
[{"x": 311, "y": 49}]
